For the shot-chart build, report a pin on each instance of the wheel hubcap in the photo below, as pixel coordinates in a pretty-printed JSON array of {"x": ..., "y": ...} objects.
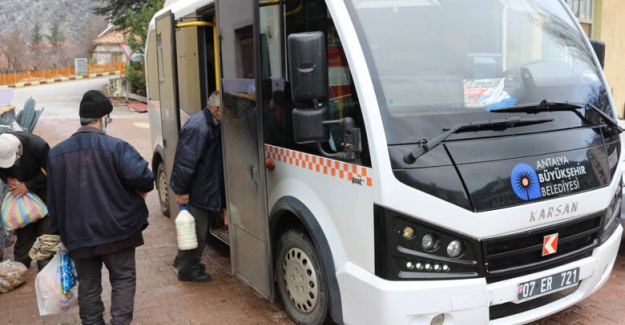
[{"x": 300, "y": 280}]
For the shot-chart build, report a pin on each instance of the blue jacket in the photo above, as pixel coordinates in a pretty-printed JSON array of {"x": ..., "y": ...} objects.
[
  {"x": 93, "y": 181},
  {"x": 198, "y": 169}
]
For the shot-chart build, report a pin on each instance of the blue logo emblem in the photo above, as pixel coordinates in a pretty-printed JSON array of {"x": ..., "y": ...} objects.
[{"x": 525, "y": 182}]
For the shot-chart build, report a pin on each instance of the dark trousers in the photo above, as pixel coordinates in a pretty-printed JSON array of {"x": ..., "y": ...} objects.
[
  {"x": 26, "y": 237},
  {"x": 189, "y": 260},
  {"x": 123, "y": 278}
]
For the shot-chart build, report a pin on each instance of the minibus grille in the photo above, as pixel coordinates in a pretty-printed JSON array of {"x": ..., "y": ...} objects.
[{"x": 510, "y": 256}]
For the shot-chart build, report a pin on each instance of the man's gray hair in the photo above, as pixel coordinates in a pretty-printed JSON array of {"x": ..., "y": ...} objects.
[
  {"x": 214, "y": 99},
  {"x": 89, "y": 120}
]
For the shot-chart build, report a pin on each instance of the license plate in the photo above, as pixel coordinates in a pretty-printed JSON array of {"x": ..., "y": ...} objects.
[{"x": 548, "y": 284}]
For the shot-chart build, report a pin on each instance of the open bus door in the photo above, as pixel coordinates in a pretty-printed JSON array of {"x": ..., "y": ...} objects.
[
  {"x": 243, "y": 148},
  {"x": 168, "y": 94}
]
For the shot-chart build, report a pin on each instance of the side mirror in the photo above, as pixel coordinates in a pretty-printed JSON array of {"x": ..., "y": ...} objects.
[
  {"x": 308, "y": 66},
  {"x": 599, "y": 48},
  {"x": 308, "y": 125}
]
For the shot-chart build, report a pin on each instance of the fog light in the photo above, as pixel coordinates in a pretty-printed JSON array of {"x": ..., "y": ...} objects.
[
  {"x": 419, "y": 266},
  {"x": 438, "y": 320},
  {"x": 409, "y": 265},
  {"x": 408, "y": 233},
  {"x": 454, "y": 249}
]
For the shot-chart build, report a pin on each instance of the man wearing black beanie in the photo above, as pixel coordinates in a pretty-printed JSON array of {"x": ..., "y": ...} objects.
[
  {"x": 95, "y": 104},
  {"x": 97, "y": 186}
]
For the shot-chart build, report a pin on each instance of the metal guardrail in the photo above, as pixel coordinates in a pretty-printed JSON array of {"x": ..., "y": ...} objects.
[{"x": 137, "y": 97}]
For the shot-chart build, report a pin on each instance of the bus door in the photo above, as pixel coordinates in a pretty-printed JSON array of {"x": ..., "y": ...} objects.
[
  {"x": 168, "y": 94},
  {"x": 243, "y": 148}
]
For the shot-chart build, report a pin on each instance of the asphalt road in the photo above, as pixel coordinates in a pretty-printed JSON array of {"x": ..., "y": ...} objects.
[
  {"x": 61, "y": 100},
  {"x": 60, "y": 118}
]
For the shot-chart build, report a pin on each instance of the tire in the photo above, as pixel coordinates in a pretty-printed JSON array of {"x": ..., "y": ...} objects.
[
  {"x": 301, "y": 281},
  {"x": 162, "y": 188}
]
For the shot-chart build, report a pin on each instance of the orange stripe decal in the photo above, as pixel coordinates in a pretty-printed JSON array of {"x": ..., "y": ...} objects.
[{"x": 355, "y": 174}]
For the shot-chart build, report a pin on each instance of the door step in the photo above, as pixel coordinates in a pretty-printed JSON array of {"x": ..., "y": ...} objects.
[{"x": 221, "y": 233}]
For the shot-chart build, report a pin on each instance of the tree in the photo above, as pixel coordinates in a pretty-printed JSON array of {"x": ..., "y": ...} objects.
[
  {"x": 132, "y": 17},
  {"x": 56, "y": 39},
  {"x": 13, "y": 48},
  {"x": 82, "y": 40},
  {"x": 36, "y": 46}
]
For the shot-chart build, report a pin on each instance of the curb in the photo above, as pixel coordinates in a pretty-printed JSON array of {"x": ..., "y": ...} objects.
[{"x": 48, "y": 81}]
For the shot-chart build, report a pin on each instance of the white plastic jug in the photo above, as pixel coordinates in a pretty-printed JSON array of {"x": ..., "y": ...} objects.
[{"x": 185, "y": 230}]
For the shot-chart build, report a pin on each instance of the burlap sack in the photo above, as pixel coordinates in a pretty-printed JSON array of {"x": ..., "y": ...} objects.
[{"x": 45, "y": 247}]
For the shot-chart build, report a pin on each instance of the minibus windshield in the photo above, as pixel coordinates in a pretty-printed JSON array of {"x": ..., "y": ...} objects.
[{"x": 462, "y": 59}]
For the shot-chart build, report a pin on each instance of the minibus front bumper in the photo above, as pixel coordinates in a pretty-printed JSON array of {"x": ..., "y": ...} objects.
[{"x": 368, "y": 299}]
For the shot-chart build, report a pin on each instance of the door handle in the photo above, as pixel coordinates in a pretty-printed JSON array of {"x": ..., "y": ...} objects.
[{"x": 254, "y": 174}]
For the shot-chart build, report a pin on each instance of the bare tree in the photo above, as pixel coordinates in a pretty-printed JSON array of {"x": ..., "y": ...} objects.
[
  {"x": 86, "y": 35},
  {"x": 13, "y": 48}
]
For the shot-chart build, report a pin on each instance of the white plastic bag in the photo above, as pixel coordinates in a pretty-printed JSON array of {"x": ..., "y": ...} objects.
[{"x": 50, "y": 297}]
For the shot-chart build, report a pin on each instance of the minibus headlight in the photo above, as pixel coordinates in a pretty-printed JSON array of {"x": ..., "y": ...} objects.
[
  {"x": 408, "y": 233},
  {"x": 407, "y": 249},
  {"x": 429, "y": 242},
  {"x": 454, "y": 249}
]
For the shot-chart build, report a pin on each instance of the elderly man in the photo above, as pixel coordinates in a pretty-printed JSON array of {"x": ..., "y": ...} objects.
[
  {"x": 198, "y": 181},
  {"x": 97, "y": 186}
]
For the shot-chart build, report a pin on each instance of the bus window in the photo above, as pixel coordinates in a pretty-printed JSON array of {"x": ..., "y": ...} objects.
[{"x": 276, "y": 24}]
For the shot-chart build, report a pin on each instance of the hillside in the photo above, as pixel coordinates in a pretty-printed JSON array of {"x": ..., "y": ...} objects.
[
  {"x": 76, "y": 15},
  {"x": 76, "y": 27}
]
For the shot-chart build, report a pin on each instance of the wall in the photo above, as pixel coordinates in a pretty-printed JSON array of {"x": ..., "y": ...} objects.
[{"x": 609, "y": 18}]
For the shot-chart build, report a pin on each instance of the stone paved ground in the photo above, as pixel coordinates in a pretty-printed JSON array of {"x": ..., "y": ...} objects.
[
  {"x": 604, "y": 307},
  {"x": 162, "y": 299}
]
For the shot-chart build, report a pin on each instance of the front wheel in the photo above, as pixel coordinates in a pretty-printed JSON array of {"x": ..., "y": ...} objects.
[
  {"x": 302, "y": 284},
  {"x": 162, "y": 188}
]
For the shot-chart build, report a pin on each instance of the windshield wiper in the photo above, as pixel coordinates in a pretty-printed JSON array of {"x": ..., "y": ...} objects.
[
  {"x": 512, "y": 121},
  {"x": 560, "y": 106}
]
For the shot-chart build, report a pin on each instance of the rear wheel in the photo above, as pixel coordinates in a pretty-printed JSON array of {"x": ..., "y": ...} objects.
[
  {"x": 301, "y": 282},
  {"x": 162, "y": 188}
]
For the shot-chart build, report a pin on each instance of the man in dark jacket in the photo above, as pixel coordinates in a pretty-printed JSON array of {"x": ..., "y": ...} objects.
[
  {"x": 97, "y": 186},
  {"x": 197, "y": 179},
  {"x": 23, "y": 158}
]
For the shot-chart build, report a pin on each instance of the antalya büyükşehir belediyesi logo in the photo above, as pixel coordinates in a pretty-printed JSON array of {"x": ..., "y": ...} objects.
[
  {"x": 552, "y": 176},
  {"x": 525, "y": 182}
]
